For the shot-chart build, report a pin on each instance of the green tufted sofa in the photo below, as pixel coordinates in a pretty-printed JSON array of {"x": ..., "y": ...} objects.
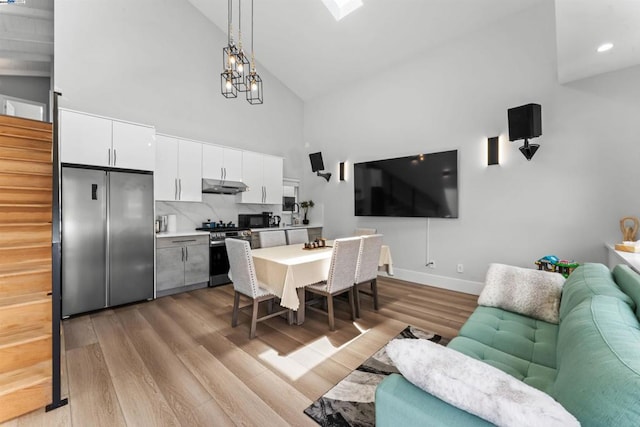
[{"x": 590, "y": 362}]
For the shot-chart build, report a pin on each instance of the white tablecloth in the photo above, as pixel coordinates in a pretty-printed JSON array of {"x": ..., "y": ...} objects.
[{"x": 284, "y": 269}]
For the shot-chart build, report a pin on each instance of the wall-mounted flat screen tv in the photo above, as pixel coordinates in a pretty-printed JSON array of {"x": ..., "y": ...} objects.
[{"x": 424, "y": 185}]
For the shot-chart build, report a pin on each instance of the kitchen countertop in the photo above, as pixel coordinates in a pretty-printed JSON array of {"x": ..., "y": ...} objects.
[
  {"x": 288, "y": 227},
  {"x": 182, "y": 234}
]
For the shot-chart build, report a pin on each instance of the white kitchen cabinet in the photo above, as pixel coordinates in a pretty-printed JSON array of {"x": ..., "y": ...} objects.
[
  {"x": 263, "y": 174},
  {"x": 85, "y": 139},
  {"x": 272, "y": 179},
  {"x": 97, "y": 141},
  {"x": 221, "y": 163},
  {"x": 133, "y": 146},
  {"x": 178, "y": 175}
]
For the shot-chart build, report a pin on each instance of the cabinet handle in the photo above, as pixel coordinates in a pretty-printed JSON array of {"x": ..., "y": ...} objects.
[
  {"x": 225, "y": 173},
  {"x": 186, "y": 249},
  {"x": 109, "y": 156},
  {"x": 182, "y": 254},
  {"x": 221, "y": 173},
  {"x": 176, "y": 189},
  {"x": 180, "y": 189},
  {"x": 265, "y": 194},
  {"x": 115, "y": 154}
]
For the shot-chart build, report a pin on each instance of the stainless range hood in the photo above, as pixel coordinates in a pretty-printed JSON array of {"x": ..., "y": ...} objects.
[{"x": 218, "y": 186}]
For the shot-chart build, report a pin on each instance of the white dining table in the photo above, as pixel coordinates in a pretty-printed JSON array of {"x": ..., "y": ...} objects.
[{"x": 286, "y": 270}]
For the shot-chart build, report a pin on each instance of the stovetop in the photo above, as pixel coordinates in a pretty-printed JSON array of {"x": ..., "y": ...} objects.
[{"x": 221, "y": 229}]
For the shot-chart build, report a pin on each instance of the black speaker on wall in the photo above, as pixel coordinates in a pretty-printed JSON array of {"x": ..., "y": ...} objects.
[
  {"x": 317, "y": 165},
  {"x": 525, "y": 121}
]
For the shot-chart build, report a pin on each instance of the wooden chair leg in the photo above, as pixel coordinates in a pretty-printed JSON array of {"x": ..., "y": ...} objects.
[
  {"x": 254, "y": 319},
  {"x": 290, "y": 317},
  {"x": 332, "y": 322},
  {"x": 351, "y": 303},
  {"x": 374, "y": 291},
  {"x": 236, "y": 304},
  {"x": 357, "y": 298},
  {"x": 270, "y": 306}
]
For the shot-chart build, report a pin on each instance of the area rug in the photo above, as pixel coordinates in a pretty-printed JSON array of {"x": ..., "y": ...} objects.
[{"x": 352, "y": 401}]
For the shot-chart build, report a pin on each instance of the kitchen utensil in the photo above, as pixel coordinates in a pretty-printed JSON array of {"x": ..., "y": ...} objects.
[{"x": 163, "y": 223}]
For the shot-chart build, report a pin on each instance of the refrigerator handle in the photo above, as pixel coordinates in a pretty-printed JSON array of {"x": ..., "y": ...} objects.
[
  {"x": 182, "y": 253},
  {"x": 186, "y": 250},
  {"x": 180, "y": 189},
  {"x": 176, "y": 189},
  {"x": 221, "y": 173},
  {"x": 115, "y": 153}
]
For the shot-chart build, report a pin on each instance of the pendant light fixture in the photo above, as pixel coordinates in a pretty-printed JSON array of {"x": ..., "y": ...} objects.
[
  {"x": 254, "y": 82},
  {"x": 242, "y": 63},
  {"x": 229, "y": 61}
]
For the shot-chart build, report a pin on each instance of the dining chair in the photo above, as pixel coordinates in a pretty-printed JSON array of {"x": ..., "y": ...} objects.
[
  {"x": 243, "y": 275},
  {"x": 364, "y": 231},
  {"x": 298, "y": 235},
  {"x": 272, "y": 238},
  {"x": 367, "y": 269},
  {"x": 342, "y": 270}
]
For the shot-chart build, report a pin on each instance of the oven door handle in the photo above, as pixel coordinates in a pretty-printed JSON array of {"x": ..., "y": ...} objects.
[{"x": 216, "y": 243}]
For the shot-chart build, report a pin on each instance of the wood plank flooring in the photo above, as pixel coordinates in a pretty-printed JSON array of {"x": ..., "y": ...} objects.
[{"x": 176, "y": 361}]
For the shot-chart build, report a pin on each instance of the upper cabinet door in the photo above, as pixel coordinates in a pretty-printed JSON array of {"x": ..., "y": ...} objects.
[
  {"x": 212, "y": 162},
  {"x": 165, "y": 177},
  {"x": 232, "y": 164},
  {"x": 252, "y": 176},
  {"x": 189, "y": 171},
  {"x": 85, "y": 139},
  {"x": 133, "y": 146},
  {"x": 273, "y": 179}
]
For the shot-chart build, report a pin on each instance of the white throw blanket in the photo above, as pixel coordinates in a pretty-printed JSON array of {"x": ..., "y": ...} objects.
[{"x": 476, "y": 387}]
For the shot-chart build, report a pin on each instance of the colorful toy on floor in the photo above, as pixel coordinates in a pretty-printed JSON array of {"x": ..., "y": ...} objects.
[{"x": 556, "y": 265}]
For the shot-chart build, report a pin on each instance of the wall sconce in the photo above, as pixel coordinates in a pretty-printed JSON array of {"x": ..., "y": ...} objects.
[
  {"x": 341, "y": 171},
  {"x": 493, "y": 157}
]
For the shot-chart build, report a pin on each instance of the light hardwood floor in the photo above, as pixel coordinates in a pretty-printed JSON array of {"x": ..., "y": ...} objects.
[{"x": 177, "y": 360}]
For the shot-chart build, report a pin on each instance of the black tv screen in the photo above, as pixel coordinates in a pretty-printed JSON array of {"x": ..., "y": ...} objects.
[{"x": 424, "y": 185}]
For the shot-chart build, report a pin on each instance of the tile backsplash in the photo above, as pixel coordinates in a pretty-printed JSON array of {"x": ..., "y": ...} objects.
[{"x": 216, "y": 207}]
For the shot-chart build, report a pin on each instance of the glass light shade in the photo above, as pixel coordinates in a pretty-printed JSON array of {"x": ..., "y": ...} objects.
[
  {"x": 226, "y": 84},
  {"x": 254, "y": 94}
]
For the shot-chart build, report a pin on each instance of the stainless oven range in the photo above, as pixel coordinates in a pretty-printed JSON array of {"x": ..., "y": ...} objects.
[{"x": 218, "y": 259}]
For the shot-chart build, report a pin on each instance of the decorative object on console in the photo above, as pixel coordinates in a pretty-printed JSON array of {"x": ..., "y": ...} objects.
[
  {"x": 629, "y": 233},
  {"x": 306, "y": 205},
  {"x": 533, "y": 293},
  {"x": 492, "y": 151},
  {"x": 525, "y": 122},
  {"x": 317, "y": 165}
]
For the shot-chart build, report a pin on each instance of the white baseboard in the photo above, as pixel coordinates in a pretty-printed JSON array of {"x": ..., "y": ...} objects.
[{"x": 444, "y": 282}]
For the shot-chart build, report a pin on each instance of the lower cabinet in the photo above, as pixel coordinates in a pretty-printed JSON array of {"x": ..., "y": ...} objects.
[{"x": 181, "y": 262}]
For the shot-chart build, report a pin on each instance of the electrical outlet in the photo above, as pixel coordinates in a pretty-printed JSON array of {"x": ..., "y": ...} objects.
[
  {"x": 431, "y": 263},
  {"x": 460, "y": 268}
]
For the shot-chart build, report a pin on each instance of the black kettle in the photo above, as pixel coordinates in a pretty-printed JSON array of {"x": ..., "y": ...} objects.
[{"x": 275, "y": 221}]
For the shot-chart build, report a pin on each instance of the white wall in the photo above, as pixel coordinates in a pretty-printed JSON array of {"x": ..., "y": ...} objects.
[
  {"x": 158, "y": 62},
  {"x": 566, "y": 201}
]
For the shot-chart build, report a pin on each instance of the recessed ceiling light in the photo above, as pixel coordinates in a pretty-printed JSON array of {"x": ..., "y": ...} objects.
[{"x": 605, "y": 47}]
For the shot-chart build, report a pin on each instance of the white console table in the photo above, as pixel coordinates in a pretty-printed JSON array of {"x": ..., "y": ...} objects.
[{"x": 620, "y": 257}]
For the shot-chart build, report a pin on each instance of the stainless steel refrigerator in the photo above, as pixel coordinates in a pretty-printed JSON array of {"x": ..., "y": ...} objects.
[{"x": 107, "y": 238}]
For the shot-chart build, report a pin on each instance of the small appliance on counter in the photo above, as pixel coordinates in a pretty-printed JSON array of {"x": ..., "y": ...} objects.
[
  {"x": 274, "y": 221},
  {"x": 262, "y": 220}
]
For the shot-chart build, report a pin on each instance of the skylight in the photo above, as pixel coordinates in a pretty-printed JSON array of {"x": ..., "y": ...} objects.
[{"x": 341, "y": 8}]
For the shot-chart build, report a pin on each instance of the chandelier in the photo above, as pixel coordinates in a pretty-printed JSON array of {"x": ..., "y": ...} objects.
[{"x": 238, "y": 74}]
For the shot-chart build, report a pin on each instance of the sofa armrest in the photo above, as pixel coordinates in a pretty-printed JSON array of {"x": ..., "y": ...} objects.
[{"x": 400, "y": 403}]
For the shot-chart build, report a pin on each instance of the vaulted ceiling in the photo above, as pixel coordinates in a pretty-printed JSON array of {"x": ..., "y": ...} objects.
[
  {"x": 301, "y": 43},
  {"x": 26, "y": 38}
]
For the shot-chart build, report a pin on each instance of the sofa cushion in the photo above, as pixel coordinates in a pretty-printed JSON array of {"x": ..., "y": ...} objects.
[
  {"x": 533, "y": 374},
  {"x": 629, "y": 281},
  {"x": 530, "y": 292},
  {"x": 526, "y": 338},
  {"x": 599, "y": 363},
  {"x": 586, "y": 281},
  {"x": 469, "y": 384}
]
